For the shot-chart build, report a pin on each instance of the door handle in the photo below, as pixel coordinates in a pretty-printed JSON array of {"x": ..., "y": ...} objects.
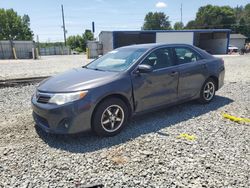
[
  {"x": 174, "y": 73},
  {"x": 204, "y": 65}
]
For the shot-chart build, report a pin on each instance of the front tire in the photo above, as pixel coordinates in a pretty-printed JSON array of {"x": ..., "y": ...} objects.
[
  {"x": 110, "y": 117},
  {"x": 207, "y": 92}
]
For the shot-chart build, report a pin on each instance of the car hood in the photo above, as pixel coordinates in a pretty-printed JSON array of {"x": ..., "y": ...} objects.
[{"x": 76, "y": 80}]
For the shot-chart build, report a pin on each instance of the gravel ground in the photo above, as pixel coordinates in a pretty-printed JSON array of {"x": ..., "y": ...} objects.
[
  {"x": 146, "y": 154},
  {"x": 45, "y": 66}
]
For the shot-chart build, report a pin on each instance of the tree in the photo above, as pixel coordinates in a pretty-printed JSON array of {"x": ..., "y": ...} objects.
[
  {"x": 26, "y": 27},
  {"x": 13, "y": 26},
  {"x": 79, "y": 42},
  {"x": 191, "y": 25},
  {"x": 246, "y": 13},
  {"x": 243, "y": 24},
  {"x": 75, "y": 42},
  {"x": 87, "y": 35},
  {"x": 213, "y": 17},
  {"x": 178, "y": 26},
  {"x": 156, "y": 21},
  {"x": 242, "y": 27},
  {"x": 210, "y": 16},
  {"x": 239, "y": 11}
]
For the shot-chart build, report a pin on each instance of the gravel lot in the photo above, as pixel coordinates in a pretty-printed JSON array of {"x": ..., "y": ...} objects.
[
  {"x": 146, "y": 154},
  {"x": 45, "y": 66}
]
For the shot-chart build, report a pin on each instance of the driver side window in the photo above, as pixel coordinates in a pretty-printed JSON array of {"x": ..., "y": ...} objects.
[{"x": 160, "y": 58}]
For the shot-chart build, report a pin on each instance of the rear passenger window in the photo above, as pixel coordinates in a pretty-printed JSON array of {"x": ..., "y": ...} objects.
[{"x": 185, "y": 55}]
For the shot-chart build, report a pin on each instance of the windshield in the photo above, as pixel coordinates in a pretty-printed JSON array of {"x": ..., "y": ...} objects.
[{"x": 117, "y": 60}]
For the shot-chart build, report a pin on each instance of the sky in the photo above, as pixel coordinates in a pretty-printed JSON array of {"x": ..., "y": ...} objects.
[{"x": 108, "y": 15}]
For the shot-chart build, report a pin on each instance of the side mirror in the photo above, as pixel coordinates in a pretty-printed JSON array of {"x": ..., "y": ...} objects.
[{"x": 144, "y": 69}]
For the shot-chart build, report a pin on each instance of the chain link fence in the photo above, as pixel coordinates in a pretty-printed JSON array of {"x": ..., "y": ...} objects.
[{"x": 56, "y": 50}]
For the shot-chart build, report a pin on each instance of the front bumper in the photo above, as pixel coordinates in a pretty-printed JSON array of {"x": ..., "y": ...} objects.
[{"x": 69, "y": 118}]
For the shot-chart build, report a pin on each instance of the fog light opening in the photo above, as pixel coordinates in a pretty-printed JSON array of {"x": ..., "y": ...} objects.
[{"x": 65, "y": 123}]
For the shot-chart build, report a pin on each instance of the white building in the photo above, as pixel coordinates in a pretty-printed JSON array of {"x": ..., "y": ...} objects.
[{"x": 237, "y": 40}]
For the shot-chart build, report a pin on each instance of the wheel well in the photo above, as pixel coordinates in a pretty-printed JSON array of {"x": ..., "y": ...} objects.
[
  {"x": 119, "y": 96},
  {"x": 216, "y": 81}
]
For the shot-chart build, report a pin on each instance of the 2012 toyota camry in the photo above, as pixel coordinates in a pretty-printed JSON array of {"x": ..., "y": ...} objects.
[{"x": 103, "y": 95}]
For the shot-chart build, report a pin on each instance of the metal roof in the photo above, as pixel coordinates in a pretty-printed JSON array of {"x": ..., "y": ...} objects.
[
  {"x": 237, "y": 36},
  {"x": 188, "y": 30}
]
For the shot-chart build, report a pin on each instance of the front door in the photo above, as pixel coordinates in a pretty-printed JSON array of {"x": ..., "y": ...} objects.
[{"x": 158, "y": 87}]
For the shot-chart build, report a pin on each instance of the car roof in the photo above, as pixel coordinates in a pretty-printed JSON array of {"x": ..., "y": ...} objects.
[
  {"x": 151, "y": 46},
  {"x": 154, "y": 45}
]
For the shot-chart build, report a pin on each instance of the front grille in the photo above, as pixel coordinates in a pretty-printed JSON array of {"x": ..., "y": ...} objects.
[{"x": 43, "y": 99}]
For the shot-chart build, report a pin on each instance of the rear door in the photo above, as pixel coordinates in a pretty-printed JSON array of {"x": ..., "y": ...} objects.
[
  {"x": 158, "y": 87},
  {"x": 192, "y": 71}
]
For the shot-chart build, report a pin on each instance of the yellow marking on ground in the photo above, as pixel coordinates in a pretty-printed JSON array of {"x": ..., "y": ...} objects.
[
  {"x": 236, "y": 119},
  {"x": 187, "y": 136}
]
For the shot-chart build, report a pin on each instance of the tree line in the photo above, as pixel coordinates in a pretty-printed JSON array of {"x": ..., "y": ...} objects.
[{"x": 208, "y": 17}]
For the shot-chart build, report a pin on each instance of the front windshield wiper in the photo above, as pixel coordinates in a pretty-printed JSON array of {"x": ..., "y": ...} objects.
[
  {"x": 92, "y": 68},
  {"x": 99, "y": 69}
]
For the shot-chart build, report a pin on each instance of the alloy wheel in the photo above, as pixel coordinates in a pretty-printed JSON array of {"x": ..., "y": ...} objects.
[
  {"x": 209, "y": 90},
  {"x": 112, "y": 118}
]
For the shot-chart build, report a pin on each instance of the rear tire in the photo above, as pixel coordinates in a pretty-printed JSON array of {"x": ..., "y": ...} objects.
[
  {"x": 110, "y": 117},
  {"x": 207, "y": 92}
]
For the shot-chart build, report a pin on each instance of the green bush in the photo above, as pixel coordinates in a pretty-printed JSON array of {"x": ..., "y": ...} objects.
[{"x": 78, "y": 49}]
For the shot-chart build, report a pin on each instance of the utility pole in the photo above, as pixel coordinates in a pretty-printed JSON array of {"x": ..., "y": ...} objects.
[
  {"x": 237, "y": 11},
  {"x": 64, "y": 30},
  {"x": 37, "y": 41},
  {"x": 181, "y": 12}
]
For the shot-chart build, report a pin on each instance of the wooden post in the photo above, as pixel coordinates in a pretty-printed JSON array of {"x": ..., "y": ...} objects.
[
  {"x": 87, "y": 52},
  {"x": 33, "y": 53},
  {"x": 37, "y": 53},
  {"x": 14, "y": 52},
  {"x": 13, "y": 49}
]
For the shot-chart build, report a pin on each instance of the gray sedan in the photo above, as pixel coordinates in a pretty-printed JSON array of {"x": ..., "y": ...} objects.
[{"x": 103, "y": 95}]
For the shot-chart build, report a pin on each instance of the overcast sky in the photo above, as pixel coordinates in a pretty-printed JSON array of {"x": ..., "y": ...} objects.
[{"x": 46, "y": 20}]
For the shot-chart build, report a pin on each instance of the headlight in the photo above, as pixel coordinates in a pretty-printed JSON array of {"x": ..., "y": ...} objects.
[{"x": 62, "y": 98}]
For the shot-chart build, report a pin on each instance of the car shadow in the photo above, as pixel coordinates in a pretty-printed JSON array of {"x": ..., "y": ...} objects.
[{"x": 149, "y": 123}]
